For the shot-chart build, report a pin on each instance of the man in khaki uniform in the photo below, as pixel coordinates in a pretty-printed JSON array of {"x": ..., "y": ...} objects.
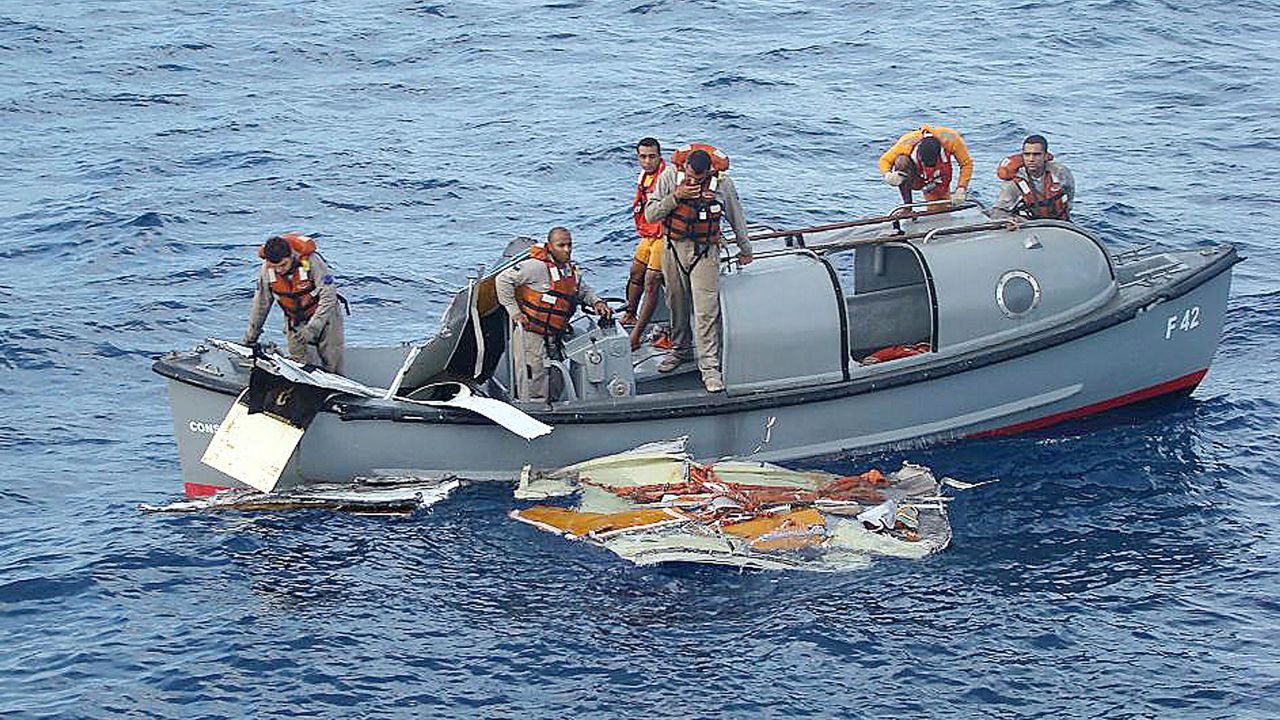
[
  {"x": 295, "y": 277},
  {"x": 540, "y": 295},
  {"x": 690, "y": 198}
]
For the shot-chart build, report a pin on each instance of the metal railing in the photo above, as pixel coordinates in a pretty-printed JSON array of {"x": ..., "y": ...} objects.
[{"x": 899, "y": 213}]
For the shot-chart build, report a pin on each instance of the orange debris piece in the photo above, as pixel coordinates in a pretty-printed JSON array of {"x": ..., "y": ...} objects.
[
  {"x": 783, "y": 531},
  {"x": 578, "y": 524}
]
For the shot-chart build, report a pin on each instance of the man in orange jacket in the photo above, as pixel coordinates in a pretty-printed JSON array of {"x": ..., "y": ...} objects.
[{"x": 922, "y": 160}]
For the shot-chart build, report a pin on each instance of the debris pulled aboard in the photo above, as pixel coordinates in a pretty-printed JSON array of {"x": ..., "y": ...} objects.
[{"x": 655, "y": 504}]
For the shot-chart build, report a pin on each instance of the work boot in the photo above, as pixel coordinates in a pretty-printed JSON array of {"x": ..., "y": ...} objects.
[
  {"x": 713, "y": 384},
  {"x": 669, "y": 363}
]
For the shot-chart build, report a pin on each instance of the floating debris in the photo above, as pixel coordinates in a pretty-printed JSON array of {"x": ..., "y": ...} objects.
[
  {"x": 363, "y": 495},
  {"x": 655, "y": 504}
]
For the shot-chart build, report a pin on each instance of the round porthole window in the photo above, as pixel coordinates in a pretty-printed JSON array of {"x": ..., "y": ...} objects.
[{"x": 1017, "y": 293}]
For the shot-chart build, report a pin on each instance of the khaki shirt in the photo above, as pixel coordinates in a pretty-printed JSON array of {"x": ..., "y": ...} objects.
[
  {"x": 263, "y": 298},
  {"x": 662, "y": 202},
  {"x": 533, "y": 273}
]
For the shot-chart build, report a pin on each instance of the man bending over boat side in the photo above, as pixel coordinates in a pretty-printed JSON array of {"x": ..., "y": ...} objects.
[
  {"x": 540, "y": 295},
  {"x": 294, "y": 276},
  {"x": 922, "y": 160},
  {"x": 1035, "y": 185}
]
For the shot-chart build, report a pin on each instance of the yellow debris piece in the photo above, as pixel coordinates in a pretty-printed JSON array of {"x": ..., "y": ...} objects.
[{"x": 577, "y": 524}]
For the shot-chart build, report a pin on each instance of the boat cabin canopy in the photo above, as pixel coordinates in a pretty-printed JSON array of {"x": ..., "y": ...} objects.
[{"x": 813, "y": 307}]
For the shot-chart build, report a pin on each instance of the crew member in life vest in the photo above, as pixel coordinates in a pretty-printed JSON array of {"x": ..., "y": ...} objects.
[
  {"x": 540, "y": 295},
  {"x": 646, "y": 268},
  {"x": 1035, "y": 185},
  {"x": 923, "y": 160},
  {"x": 295, "y": 277},
  {"x": 691, "y": 197}
]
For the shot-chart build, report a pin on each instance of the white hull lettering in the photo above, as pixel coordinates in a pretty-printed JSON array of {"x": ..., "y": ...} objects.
[{"x": 1186, "y": 321}]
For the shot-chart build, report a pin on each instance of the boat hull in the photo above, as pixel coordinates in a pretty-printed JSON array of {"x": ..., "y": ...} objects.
[{"x": 1164, "y": 349}]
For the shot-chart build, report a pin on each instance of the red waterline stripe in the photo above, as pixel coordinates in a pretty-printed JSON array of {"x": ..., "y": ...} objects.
[
  {"x": 195, "y": 490},
  {"x": 1182, "y": 383}
]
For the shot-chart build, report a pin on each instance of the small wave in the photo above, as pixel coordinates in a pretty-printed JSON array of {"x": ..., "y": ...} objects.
[
  {"x": 233, "y": 159},
  {"x": 646, "y": 8},
  {"x": 352, "y": 206},
  {"x": 432, "y": 10},
  {"x": 420, "y": 184},
  {"x": 36, "y": 589},
  {"x": 732, "y": 79},
  {"x": 154, "y": 220},
  {"x": 139, "y": 100},
  {"x": 788, "y": 52}
]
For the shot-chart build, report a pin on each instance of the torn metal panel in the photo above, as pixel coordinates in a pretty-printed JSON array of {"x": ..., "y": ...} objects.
[{"x": 365, "y": 495}]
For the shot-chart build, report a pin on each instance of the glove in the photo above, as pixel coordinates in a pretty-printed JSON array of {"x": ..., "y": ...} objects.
[
  {"x": 959, "y": 196},
  {"x": 895, "y": 178}
]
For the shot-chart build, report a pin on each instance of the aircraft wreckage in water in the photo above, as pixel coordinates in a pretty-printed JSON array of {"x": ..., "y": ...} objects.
[
  {"x": 657, "y": 505},
  {"x": 989, "y": 327}
]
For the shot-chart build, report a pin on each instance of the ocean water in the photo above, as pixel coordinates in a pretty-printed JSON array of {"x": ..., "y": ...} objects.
[{"x": 1125, "y": 566}]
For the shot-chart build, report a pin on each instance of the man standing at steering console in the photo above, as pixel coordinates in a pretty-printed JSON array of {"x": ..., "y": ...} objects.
[{"x": 540, "y": 295}]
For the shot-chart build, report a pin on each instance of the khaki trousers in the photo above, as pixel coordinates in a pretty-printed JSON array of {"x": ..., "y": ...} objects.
[
  {"x": 326, "y": 352},
  {"x": 696, "y": 291},
  {"x": 529, "y": 352}
]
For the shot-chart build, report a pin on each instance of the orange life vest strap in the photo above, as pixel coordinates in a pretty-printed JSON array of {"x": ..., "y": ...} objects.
[
  {"x": 294, "y": 291},
  {"x": 1051, "y": 203},
  {"x": 549, "y": 312},
  {"x": 933, "y": 180},
  {"x": 644, "y": 186}
]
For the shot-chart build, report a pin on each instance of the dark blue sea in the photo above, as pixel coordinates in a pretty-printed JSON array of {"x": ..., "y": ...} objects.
[{"x": 1123, "y": 567}]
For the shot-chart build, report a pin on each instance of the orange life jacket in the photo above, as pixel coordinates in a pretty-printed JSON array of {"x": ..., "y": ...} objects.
[
  {"x": 935, "y": 180},
  {"x": 1050, "y": 203},
  {"x": 644, "y": 186},
  {"x": 694, "y": 219},
  {"x": 719, "y": 161},
  {"x": 1009, "y": 167},
  {"x": 549, "y": 312},
  {"x": 294, "y": 291}
]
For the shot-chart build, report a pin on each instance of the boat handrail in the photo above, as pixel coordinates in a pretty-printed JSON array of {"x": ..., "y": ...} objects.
[
  {"x": 877, "y": 220},
  {"x": 924, "y": 237},
  {"x": 1009, "y": 224}
]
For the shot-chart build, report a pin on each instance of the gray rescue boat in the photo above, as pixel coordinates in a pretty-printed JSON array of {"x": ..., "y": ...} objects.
[{"x": 1012, "y": 326}]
